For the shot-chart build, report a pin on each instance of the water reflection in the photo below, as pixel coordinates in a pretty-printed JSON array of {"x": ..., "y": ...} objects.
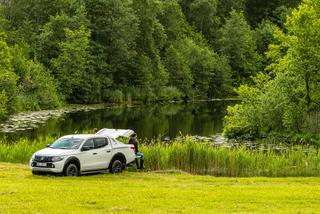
[{"x": 203, "y": 118}]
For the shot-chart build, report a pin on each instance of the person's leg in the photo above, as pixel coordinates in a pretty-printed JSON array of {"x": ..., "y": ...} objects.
[
  {"x": 137, "y": 163},
  {"x": 140, "y": 154}
]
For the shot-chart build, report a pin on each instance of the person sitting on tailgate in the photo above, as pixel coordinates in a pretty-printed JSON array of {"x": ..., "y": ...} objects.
[{"x": 133, "y": 141}]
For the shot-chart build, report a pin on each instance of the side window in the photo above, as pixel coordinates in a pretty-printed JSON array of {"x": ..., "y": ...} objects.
[
  {"x": 113, "y": 141},
  {"x": 89, "y": 143},
  {"x": 100, "y": 142}
]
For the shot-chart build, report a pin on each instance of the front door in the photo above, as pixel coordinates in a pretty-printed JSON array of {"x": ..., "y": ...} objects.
[
  {"x": 88, "y": 159},
  {"x": 104, "y": 152}
]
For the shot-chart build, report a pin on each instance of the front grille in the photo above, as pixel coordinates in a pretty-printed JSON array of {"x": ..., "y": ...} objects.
[{"x": 43, "y": 158}]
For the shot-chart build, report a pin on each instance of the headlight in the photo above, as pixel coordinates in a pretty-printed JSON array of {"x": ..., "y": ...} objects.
[
  {"x": 32, "y": 158},
  {"x": 57, "y": 158}
]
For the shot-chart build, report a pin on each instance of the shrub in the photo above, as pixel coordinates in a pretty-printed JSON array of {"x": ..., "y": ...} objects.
[
  {"x": 169, "y": 93},
  {"x": 3, "y": 102},
  {"x": 115, "y": 96}
]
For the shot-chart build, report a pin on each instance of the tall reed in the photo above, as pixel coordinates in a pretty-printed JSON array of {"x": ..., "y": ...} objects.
[
  {"x": 21, "y": 151},
  {"x": 201, "y": 158}
]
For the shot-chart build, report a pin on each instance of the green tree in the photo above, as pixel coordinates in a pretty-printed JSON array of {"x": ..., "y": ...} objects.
[
  {"x": 151, "y": 38},
  {"x": 259, "y": 10},
  {"x": 264, "y": 35},
  {"x": 36, "y": 87},
  {"x": 203, "y": 15},
  {"x": 8, "y": 78},
  {"x": 173, "y": 21},
  {"x": 179, "y": 71},
  {"x": 71, "y": 64},
  {"x": 201, "y": 61},
  {"x": 143, "y": 73},
  {"x": 238, "y": 44},
  {"x": 283, "y": 99},
  {"x": 114, "y": 31},
  {"x": 53, "y": 33},
  {"x": 226, "y": 6},
  {"x": 26, "y": 18},
  {"x": 221, "y": 82},
  {"x": 303, "y": 39}
]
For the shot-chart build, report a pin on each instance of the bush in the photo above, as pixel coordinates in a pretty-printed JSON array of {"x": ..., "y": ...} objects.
[
  {"x": 36, "y": 87},
  {"x": 115, "y": 96},
  {"x": 169, "y": 94},
  {"x": 138, "y": 94},
  {"x": 3, "y": 102},
  {"x": 8, "y": 79}
]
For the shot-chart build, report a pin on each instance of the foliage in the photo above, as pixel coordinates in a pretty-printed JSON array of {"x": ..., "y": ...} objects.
[
  {"x": 8, "y": 78},
  {"x": 264, "y": 35},
  {"x": 70, "y": 66},
  {"x": 3, "y": 102},
  {"x": 203, "y": 15},
  {"x": 37, "y": 89},
  {"x": 150, "y": 50},
  {"x": 169, "y": 94},
  {"x": 115, "y": 96},
  {"x": 260, "y": 10},
  {"x": 238, "y": 44},
  {"x": 202, "y": 62},
  {"x": 179, "y": 71},
  {"x": 283, "y": 99}
]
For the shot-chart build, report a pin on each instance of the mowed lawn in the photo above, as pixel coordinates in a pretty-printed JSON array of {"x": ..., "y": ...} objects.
[{"x": 21, "y": 192}]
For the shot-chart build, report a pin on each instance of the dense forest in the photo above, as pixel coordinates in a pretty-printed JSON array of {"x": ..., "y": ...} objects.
[{"x": 267, "y": 53}]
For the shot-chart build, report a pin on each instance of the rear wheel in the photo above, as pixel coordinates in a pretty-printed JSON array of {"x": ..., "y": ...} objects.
[
  {"x": 71, "y": 170},
  {"x": 116, "y": 166}
]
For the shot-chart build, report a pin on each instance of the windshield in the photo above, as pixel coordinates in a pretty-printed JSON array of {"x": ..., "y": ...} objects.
[{"x": 66, "y": 143}]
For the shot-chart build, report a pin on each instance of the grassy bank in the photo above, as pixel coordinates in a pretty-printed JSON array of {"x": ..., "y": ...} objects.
[
  {"x": 201, "y": 158},
  {"x": 20, "y": 192}
]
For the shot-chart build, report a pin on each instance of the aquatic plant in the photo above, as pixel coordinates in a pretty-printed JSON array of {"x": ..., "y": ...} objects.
[{"x": 202, "y": 158}]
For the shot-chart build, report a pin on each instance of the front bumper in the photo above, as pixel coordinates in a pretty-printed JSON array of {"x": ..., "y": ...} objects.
[{"x": 54, "y": 167}]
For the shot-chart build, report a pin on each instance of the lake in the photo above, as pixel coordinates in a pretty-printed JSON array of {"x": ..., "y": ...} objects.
[{"x": 149, "y": 121}]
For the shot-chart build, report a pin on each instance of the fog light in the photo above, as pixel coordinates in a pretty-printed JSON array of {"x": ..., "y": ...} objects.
[{"x": 51, "y": 165}]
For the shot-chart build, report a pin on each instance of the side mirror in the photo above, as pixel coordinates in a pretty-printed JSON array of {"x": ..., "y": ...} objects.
[
  {"x": 48, "y": 145},
  {"x": 85, "y": 148}
]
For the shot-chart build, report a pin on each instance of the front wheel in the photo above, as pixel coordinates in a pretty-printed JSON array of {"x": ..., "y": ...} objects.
[
  {"x": 71, "y": 170},
  {"x": 116, "y": 166}
]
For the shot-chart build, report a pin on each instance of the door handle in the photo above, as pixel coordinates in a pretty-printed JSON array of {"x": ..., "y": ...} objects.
[
  {"x": 108, "y": 151},
  {"x": 94, "y": 153}
]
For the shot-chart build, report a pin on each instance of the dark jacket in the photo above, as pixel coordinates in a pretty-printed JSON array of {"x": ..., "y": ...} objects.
[{"x": 135, "y": 143}]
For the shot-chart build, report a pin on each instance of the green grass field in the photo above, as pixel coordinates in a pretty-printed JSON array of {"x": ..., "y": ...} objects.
[{"x": 142, "y": 192}]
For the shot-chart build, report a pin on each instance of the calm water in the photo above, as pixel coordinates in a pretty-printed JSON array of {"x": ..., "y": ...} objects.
[{"x": 203, "y": 118}]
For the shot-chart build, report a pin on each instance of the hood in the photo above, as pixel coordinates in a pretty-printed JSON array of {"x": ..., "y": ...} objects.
[{"x": 56, "y": 152}]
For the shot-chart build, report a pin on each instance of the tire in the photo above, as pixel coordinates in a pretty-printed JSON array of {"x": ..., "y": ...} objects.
[
  {"x": 116, "y": 166},
  {"x": 71, "y": 170}
]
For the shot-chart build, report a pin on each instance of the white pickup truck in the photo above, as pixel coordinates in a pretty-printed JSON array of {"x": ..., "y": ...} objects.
[{"x": 73, "y": 155}]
